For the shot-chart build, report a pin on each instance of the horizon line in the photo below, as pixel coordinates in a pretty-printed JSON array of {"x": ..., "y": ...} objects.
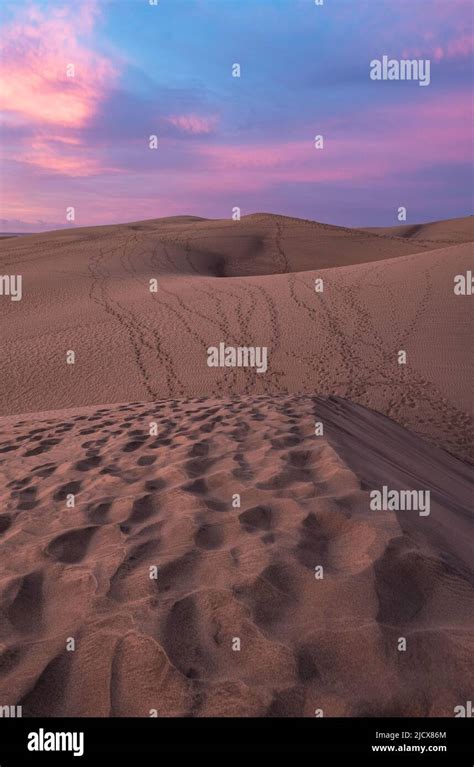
[{"x": 69, "y": 226}]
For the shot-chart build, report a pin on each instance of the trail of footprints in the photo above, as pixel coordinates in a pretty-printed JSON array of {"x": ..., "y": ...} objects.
[{"x": 225, "y": 571}]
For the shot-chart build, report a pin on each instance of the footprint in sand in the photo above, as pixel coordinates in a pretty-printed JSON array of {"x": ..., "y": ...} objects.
[
  {"x": 209, "y": 536},
  {"x": 71, "y": 547},
  {"x": 256, "y": 519}
]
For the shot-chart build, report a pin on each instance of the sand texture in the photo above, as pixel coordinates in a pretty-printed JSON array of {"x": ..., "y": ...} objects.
[{"x": 219, "y": 557}]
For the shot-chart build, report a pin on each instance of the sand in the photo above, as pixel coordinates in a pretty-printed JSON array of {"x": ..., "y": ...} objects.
[
  {"x": 241, "y": 283},
  {"x": 238, "y": 620},
  {"x": 166, "y": 644}
]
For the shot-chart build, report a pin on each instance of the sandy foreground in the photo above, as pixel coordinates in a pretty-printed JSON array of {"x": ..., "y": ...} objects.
[
  {"x": 220, "y": 558},
  {"x": 226, "y": 572}
]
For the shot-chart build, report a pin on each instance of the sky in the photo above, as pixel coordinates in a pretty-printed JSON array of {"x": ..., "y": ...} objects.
[{"x": 165, "y": 70}]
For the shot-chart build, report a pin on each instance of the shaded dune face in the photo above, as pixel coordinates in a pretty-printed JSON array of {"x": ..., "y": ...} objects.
[
  {"x": 248, "y": 282},
  {"x": 228, "y": 571}
]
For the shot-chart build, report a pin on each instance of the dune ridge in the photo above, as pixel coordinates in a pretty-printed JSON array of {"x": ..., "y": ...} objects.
[{"x": 247, "y": 282}]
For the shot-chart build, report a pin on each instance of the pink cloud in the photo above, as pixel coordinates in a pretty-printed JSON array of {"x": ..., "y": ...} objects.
[
  {"x": 437, "y": 29},
  {"x": 434, "y": 131},
  {"x": 194, "y": 124},
  {"x": 55, "y": 154},
  {"x": 462, "y": 46},
  {"x": 459, "y": 47},
  {"x": 39, "y": 51}
]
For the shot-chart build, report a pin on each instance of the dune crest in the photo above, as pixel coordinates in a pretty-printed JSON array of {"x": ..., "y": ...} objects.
[{"x": 247, "y": 283}]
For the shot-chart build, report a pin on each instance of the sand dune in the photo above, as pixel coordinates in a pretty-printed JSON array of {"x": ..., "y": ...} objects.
[
  {"x": 95, "y": 493},
  {"x": 247, "y": 282},
  {"x": 381, "y": 452},
  {"x": 448, "y": 232},
  {"x": 226, "y": 573}
]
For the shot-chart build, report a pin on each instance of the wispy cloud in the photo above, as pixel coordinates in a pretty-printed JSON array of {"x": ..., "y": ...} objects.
[
  {"x": 197, "y": 125},
  {"x": 39, "y": 49},
  {"x": 36, "y": 49}
]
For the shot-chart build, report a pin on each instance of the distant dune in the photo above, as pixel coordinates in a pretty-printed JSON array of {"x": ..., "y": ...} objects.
[
  {"x": 247, "y": 282},
  {"x": 450, "y": 232}
]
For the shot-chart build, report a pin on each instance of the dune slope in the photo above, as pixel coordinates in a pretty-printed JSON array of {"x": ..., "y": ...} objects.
[{"x": 241, "y": 283}]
